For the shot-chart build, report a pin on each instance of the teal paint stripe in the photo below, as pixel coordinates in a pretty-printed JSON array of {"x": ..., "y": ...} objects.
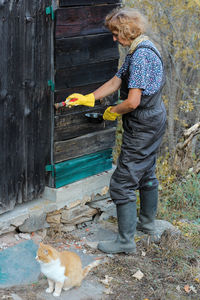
[
  {"x": 82, "y": 167},
  {"x": 84, "y": 174},
  {"x": 72, "y": 171}
]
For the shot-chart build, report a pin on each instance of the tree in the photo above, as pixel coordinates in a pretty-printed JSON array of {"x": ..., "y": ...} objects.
[{"x": 177, "y": 31}]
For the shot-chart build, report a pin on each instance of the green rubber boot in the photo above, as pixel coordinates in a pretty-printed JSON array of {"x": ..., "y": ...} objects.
[
  {"x": 126, "y": 217},
  {"x": 148, "y": 210}
]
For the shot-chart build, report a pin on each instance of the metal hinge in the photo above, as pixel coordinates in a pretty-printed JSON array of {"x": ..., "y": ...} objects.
[
  {"x": 49, "y": 11},
  {"x": 52, "y": 85}
]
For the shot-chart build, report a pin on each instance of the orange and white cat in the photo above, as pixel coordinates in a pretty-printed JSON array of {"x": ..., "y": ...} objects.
[{"x": 62, "y": 269}]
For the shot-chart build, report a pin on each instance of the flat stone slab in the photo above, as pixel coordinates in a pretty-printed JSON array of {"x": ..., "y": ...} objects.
[
  {"x": 106, "y": 231},
  {"x": 88, "y": 290},
  {"x": 18, "y": 265}
]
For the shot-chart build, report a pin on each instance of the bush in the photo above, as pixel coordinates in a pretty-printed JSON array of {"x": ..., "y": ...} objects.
[{"x": 186, "y": 193}]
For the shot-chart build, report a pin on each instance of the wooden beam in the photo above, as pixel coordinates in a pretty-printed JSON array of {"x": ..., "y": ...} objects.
[
  {"x": 76, "y": 124},
  {"x": 85, "y": 74},
  {"x": 83, "y": 145},
  {"x": 60, "y": 95},
  {"x": 76, "y": 21},
  {"x": 76, "y": 51},
  {"x": 86, "y": 2}
]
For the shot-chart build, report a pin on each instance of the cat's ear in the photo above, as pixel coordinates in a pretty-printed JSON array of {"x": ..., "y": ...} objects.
[
  {"x": 41, "y": 244},
  {"x": 49, "y": 251}
]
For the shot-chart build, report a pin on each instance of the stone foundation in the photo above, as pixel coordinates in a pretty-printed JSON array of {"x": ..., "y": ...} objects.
[
  {"x": 67, "y": 218},
  {"x": 64, "y": 208}
]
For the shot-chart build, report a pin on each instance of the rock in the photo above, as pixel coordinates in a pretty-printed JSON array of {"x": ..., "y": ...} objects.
[
  {"x": 24, "y": 236},
  {"x": 16, "y": 297},
  {"x": 110, "y": 213},
  {"x": 54, "y": 213},
  {"x": 105, "y": 198},
  {"x": 92, "y": 245},
  {"x": 34, "y": 223},
  {"x": 165, "y": 232},
  {"x": 53, "y": 218},
  {"x": 17, "y": 221},
  {"x": 102, "y": 204},
  {"x": 5, "y": 229},
  {"x": 67, "y": 228},
  {"x": 78, "y": 214},
  {"x": 162, "y": 225}
]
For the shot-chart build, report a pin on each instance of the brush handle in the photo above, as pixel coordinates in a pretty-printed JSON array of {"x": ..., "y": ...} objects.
[{"x": 63, "y": 103}]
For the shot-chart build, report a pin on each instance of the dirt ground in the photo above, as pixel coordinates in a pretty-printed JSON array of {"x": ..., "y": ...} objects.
[{"x": 170, "y": 271}]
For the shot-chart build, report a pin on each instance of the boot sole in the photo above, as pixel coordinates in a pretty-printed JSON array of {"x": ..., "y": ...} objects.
[{"x": 127, "y": 251}]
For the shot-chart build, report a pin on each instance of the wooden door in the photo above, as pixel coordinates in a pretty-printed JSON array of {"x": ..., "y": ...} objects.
[{"x": 25, "y": 102}]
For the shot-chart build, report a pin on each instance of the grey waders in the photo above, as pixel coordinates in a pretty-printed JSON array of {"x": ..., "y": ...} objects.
[
  {"x": 126, "y": 216},
  {"x": 148, "y": 210}
]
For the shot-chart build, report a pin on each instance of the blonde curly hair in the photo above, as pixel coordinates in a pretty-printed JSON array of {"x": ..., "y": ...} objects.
[{"x": 129, "y": 23}]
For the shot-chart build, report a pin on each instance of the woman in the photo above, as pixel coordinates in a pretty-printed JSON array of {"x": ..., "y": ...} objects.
[{"x": 140, "y": 80}]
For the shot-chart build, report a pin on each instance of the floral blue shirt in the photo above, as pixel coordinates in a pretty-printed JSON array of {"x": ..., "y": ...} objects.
[{"x": 146, "y": 70}]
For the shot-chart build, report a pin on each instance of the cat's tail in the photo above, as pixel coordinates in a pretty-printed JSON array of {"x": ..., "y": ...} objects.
[{"x": 87, "y": 269}]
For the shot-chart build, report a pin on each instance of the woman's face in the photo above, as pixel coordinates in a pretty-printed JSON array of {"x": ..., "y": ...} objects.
[{"x": 121, "y": 41}]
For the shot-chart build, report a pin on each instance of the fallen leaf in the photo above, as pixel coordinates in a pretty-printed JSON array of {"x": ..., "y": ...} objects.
[
  {"x": 143, "y": 253},
  {"x": 197, "y": 280},
  {"x": 178, "y": 288},
  {"x": 138, "y": 275},
  {"x": 187, "y": 288},
  {"x": 138, "y": 238}
]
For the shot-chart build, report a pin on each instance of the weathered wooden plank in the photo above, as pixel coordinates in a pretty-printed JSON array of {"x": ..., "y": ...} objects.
[
  {"x": 83, "y": 145},
  {"x": 76, "y": 124},
  {"x": 77, "y": 50},
  {"x": 24, "y": 106},
  {"x": 76, "y": 21},
  {"x": 61, "y": 95},
  {"x": 72, "y": 170},
  {"x": 85, "y": 74},
  {"x": 86, "y": 2}
]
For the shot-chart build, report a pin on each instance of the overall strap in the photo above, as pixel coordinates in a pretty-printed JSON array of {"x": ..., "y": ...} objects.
[{"x": 147, "y": 47}]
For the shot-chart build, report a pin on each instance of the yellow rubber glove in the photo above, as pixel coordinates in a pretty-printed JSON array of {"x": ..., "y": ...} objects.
[
  {"x": 110, "y": 116},
  {"x": 87, "y": 100}
]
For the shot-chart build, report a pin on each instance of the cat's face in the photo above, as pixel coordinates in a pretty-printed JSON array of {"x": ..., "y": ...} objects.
[{"x": 44, "y": 254}]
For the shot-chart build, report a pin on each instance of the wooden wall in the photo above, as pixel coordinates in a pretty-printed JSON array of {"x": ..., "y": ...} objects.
[
  {"x": 25, "y": 108},
  {"x": 85, "y": 58}
]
